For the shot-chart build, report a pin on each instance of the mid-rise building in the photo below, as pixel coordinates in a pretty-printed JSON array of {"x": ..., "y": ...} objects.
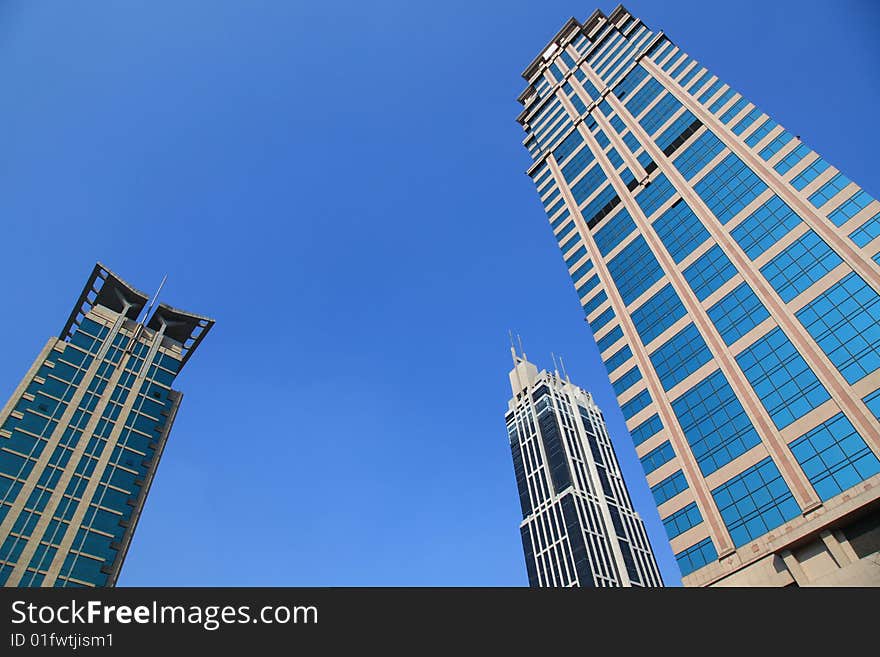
[
  {"x": 579, "y": 527},
  {"x": 729, "y": 275},
  {"x": 81, "y": 436}
]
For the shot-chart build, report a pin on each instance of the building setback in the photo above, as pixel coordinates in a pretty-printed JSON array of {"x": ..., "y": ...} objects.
[
  {"x": 579, "y": 527},
  {"x": 81, "y": 436},
  {"x": 730, "y": 278}
]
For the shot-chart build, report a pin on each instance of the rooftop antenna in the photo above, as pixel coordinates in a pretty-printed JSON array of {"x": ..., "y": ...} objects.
[
  {"x": 564, "y": 373},
  {"x": 155, "y": 296},
  {"x": 555, "y": 366},
  {"x": 521, "y": 350}
]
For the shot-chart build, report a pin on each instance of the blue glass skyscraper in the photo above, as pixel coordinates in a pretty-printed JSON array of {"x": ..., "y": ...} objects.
[
  {"x": 730, "y": 278},
  {"x": 81, "y": 436}
]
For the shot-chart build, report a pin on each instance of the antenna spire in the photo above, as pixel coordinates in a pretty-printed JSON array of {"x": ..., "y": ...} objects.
[{"x": 155, "y": 296}]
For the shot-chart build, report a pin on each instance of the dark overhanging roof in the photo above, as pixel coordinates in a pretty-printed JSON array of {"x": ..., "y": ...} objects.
[
  {"x": 105, "y": 288},
  {"x": 189, "y": 329}
]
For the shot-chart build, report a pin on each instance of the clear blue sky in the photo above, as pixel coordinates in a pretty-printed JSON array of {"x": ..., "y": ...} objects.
[{"x": 340, "y": 184}]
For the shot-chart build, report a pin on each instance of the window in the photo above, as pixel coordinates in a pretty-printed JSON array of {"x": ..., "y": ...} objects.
[
  {"x": 601, "y": 320},
  {"x": 657, "y": 314},
  {"x": 681, "y": 355},
  {"x": 595, "y": 302},
  {"x": 834, "y": 457},
  {"x": 754, "y": 502},
  {"x": 800, "y": 265},
  {"x": 660, "y": 113},
  {"x": 613, "y": 336},
  {"x": 829, "y": 190},
  {"x": 669, "y": 487},
  {"x": 644, "y": 96},
  {"x": 721, "y": 101},
  {"x": 568, "y": 146},
  {"x": 578, "y": 163},
  {"x": 587, "y": 286},
  {"x": 634, "y": 269},
  {"x": 674, "y": 131},
  {"x": 682, "y": 520},
  {"x": 735, "y": 109},
  {"x": 867, "y": 232},
  {"x": 680, "y": 230},
  {"x": 646, "y": 429},
  {"x": 872, "y": 401},
  {"x": 701, "y": 151},
  {"x": 746, "y": 121},
  {"x": 584, "y": 188},
  {"x": 655, "y": 195},
  {"x": 696, "y": 556},
  {"x": 618, "y": 358},
  {"x": 845, "y": 322},
  {"x": 775, "y": 145},
  {"x": 636, "y": 404},
  {"x": 762, "y": 131},
  {"x": 657, "y": 457},
  {"x": 626, "y": 381},
  {"x": 765, "y": 226},
  {"x": 714, "y": 422},
  {"x": 737, "y": 313},
  {"x": 614, "y": 231},
  {"x": 808, "y": 175},
  {"x": 729, "y": 187},
  {"x": 709, "y": 272},
  {"x": 786, "y": 386},
  {"x": 850, "y": 208},
  {"x": 786, "y": 163}
]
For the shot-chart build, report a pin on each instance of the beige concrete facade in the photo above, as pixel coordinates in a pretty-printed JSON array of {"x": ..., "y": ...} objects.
[{"x": 817, "y": 547}]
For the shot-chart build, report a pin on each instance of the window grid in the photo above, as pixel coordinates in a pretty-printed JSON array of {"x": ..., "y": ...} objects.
[
  {"x": 802, "y": 263},
  {"x": 682, "y": 520},
  {"x": 701, "y": 151},
  {"x": 737, "y": 313},
  {"x": 709, "y": 272},
  {"x": 680, "y": 230},
  {"x": 765, "y": 226},
  {"x": 729, "y": 187},
  {"x": 680, "y": 356}
]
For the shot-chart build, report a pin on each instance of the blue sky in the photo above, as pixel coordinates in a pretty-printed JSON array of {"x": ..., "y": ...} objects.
[{"x": 341, "y": 186}]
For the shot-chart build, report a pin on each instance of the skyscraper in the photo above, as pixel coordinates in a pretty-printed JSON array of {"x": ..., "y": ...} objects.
[
  {"x": 579, "y": 527},
  {"x": 81, "y": 436},
  {"x": 729, "y": 276}
]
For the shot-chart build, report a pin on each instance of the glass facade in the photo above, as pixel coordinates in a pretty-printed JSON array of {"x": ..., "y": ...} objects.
[
  {"x": 82, "y": 436},
  {"x": 579, "y": 527},
  {"x": 735, "y": 281}
]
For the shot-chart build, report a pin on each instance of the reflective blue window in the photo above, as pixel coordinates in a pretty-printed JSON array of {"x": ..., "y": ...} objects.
[
  {"x": 827, "y": 191},
  {"x": 634, "y": 269},
  {"x": 660, "y": 113},
  {"x": 687, "y": 77},
  {"x": 867, "y": 232},
  {"x": 614, "y": 231},
  {"x": 698, "y": 83},
  {"x": 765, "y": 226},
  {"x": 614, "y": 157},
  {"x": 701, "y": 151},
  {"x": 585, "y": 287},
  {"x": 669, "y": 487},
  {"x": 680, "y": 230},
  {"x": 746, "y": 121},
  {"x": 775, "y": 145},
  {"x": 682, "y": 520},
  {"x": 735, "y": 109},
  {"x": 787, "y": 387},
  {"x": 845, "y": 322},
  {"x": 834, "y": 457},
  {"x": 762, "y": 131},
  {"x": 599, "y": 206},
  {"x": 655, "y": 195},
  {"x": 631, "y": 142},
  {"x": 644, "y": 96},
  {"x": 595, "y": 302},
  {"x": 800, "y": 265},
  {"x": 737, "y": 313},
  {"x": 714, "y": 422},
  {"x": 585, "y": 187},
  {"x": 568, "y": 146},
  {"x": 681, "y": 355},
  {"x": 729, "y": 187},
  {"x": 709, "y": 272},
  {"x": 613, "y": 336},
  {"x": 849, "y": 208},
  {"x": 808, "y": 175},
  {"x": 676, "y": 129},
  {"x": 601, "y": 320},
  {"x": 657, "y": 457},
  {"x": 786, "y": 163},
  {"x": 578, "y": 273},
  {"x": 872, "y": 401},
  {"x": 578, "y": 163},
  {"x": 626, "y": 381},
  {"x": 721, "y": 101},
  {"x": 646, "y": 429},
  {"x": 696, "y": 556},
  {"x": 636, "y": 404},
  {"x": 755, "y": 502},
  {"x": 618, "y": 358},
  {"x": 657, "y": 314}
]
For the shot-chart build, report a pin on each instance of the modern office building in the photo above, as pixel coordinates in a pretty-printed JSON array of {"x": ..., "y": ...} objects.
[
  {"x": 82, "y": 435},
  {"x": 579, "y": 527},
  {"x": 729, "y": 275}
]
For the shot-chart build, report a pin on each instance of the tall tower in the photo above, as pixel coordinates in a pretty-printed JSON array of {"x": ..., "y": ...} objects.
[
  {"x": 579, "y": 527},
  {"x": 82, "y": 435},
  {"x": 730, "y": 278}
]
